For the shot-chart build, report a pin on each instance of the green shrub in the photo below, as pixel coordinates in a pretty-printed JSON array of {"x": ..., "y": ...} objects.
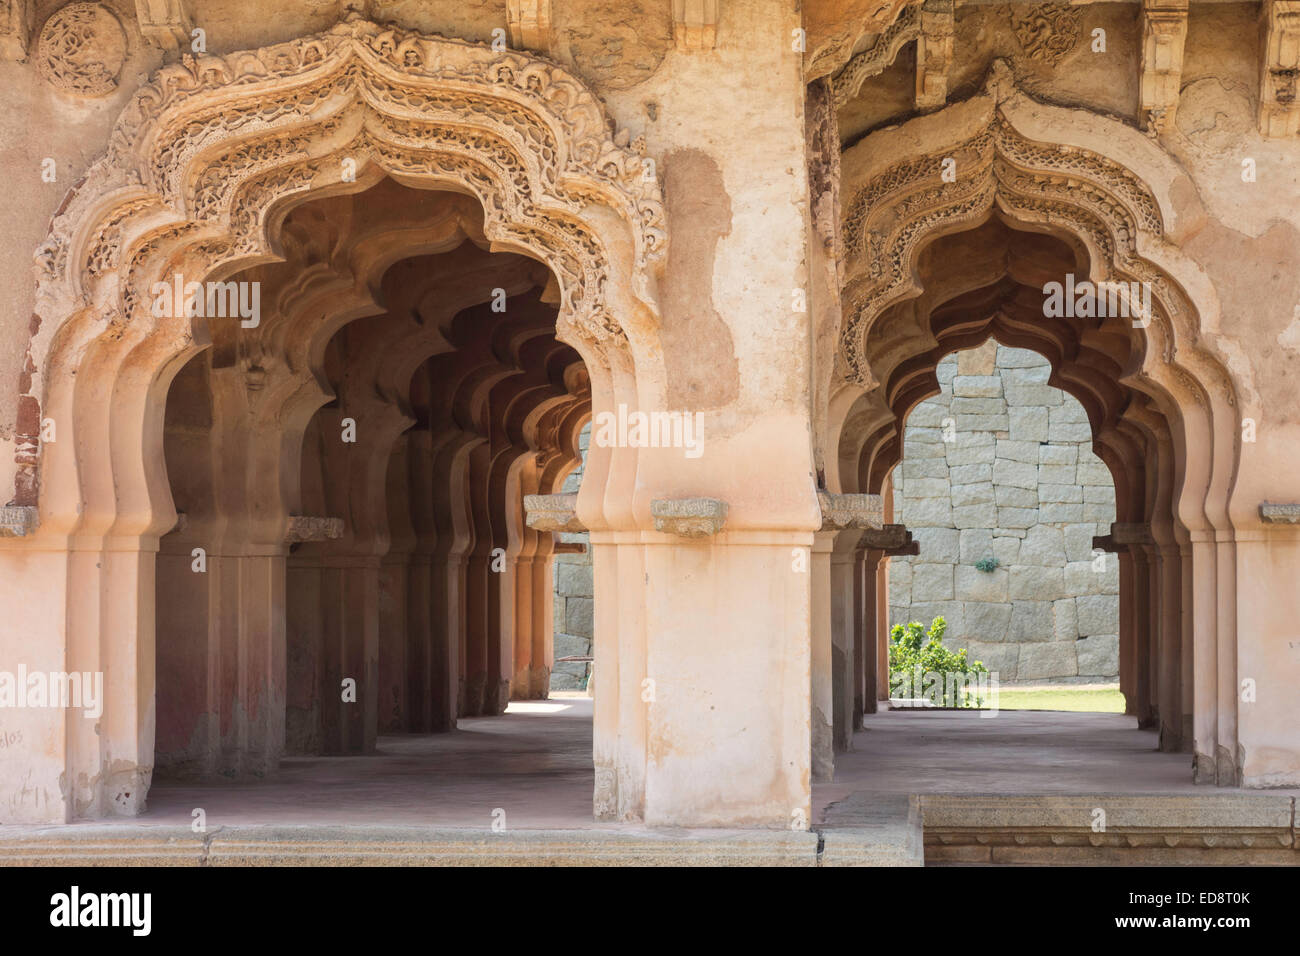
[
  {"x": 913, "y": 649},
  {"x": 986, "y": 564}
]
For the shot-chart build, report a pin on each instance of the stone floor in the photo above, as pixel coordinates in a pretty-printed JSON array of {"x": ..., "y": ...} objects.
[
  {"x": 535, "y": 764},
  {"x": 1025, "y": 752}
]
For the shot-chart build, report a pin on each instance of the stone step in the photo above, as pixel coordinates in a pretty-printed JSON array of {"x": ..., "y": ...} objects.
[{"x": 873, "y": 829}]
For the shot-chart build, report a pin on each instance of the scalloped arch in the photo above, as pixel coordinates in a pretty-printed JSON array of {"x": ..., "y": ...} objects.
[
  {"x": 1042, "y": 166},
  {"x": 207, "y": 155}
]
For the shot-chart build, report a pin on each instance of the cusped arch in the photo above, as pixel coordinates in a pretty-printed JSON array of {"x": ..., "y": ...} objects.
[
  {"x": 1099, "y": 186},
  {"x": 211, "y": 154}
]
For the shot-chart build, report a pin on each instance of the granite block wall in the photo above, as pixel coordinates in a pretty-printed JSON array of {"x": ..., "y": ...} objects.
[{"x": 998, "y": 470}]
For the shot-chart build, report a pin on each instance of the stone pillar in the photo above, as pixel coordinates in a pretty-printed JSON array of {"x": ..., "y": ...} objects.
[
  {"x": 843, "y": 641},
  {"x": 718, "y": 623},
  {"x": 395, "y": 665},
  {"x": 822, "y": 686},
  {"x": 864, "y": 632}
]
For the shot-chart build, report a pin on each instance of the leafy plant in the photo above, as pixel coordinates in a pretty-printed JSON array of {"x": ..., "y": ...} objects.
[
  {"x": 986, "y": 564},
  {"x": 913, "y": 650}
]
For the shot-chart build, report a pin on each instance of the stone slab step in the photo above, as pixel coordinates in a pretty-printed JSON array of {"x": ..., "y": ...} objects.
[{"x": 873, "y": 829}]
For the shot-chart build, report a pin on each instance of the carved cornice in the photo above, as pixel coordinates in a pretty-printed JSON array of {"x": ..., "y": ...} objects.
[
  {"x": 843, "y": 512},
  {"x": 312, "y": 528},
  {"x": 1127, "y": 533},
  {"x": 695, "y": 24},
  {"x": 892, "y": 539},
  {"x": 165, "y": 23},
  {"x": 530, "y": 24},
  {"x": 1271, "y": 513},
  {"x": 1164, "y": 33},
  {"x": 835, "y": 32},
  {"x": 934, "y": 54},
  {"x": 15, "y": 28},
  {"x": 689, "y": 517},
  {"x": 877, "y": 58},
  {"x": 552, "y": 513},
  {"x": 1279, "y": 96},
  {"x": 18, "y": 521}
]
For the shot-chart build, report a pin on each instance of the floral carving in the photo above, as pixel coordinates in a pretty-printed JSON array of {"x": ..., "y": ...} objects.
[
  {"x": 203, "y": 155},
  {"x": 876, "y": 58},
  {"x": 890, "y": 217},
  {"x": 1047, "y": 31},
  {"x": 529, "y": 139},
  {"x": 82, "y": 49}
]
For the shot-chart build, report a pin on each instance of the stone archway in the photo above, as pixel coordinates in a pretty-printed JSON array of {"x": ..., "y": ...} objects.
[
  {"x": 1164, "y": 409},
  {"x": 201, "y": 168}
]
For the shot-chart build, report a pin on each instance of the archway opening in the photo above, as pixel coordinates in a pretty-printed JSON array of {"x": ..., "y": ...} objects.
[
  {"x": 351, "y": 571},
  {"x": 1001, "y": 490},
  {"x": 995, "y": 281}
]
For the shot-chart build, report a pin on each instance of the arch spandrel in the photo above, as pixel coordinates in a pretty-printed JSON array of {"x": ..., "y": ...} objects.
[{"x": 210, "y": 154}]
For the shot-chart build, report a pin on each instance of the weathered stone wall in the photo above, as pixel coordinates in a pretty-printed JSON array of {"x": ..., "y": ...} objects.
[
  {"x": 999, "y": 465},
  {"x": 574, "y": 597}
]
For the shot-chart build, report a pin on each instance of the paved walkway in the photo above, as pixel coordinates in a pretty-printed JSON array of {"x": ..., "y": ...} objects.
[
  {"x": 535, "y": 764},
  {"x": 1022, "y": 752}
]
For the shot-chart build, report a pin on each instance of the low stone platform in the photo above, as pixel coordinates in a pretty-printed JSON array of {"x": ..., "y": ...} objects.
[
  {"x": 866, "y": 829},
  {"x": 873, "y": 829},
  {"x": 1110, "y": 829},
  {"x": 127, "y": 845}
]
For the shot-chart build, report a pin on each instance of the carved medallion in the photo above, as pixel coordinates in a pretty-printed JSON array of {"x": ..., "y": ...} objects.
[
  {"x": 1047, "y": 31},
  {"x": 82, "y": 49}
]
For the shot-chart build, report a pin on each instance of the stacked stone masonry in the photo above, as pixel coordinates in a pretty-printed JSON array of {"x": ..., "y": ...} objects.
[
  {"x": 574, "y": 596},
  {"x": 999, "y": 466}
]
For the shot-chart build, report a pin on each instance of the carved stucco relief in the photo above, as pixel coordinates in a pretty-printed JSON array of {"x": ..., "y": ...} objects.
[
  {"x": 1046, "y": 31},
  {"x": 81, "y": 50},
  {"x": 194, "y": 171},
  {"x": 896, "y": 212}
]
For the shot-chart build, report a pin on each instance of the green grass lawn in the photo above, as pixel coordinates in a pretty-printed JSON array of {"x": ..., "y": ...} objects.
[{"x": 1098, "y": 700}]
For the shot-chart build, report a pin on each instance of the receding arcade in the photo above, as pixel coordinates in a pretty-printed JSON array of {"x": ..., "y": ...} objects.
[{"x": 351, "y": 557}]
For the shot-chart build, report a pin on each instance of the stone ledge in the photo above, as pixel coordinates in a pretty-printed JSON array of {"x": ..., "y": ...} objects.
[
  {"x": 892, "y": 539},
  {"x": 1131, "y": 532},
  {"x": 122, "y": 845},
  {"x": 1158, "y": 811},
  {"x": 873, "y": 829},
  {"x": 1151, "y": 829},
  {"x": 841, "y": 512},
  {"x": 18, "y": 521},
  {"x": 689, "y": 517},
  {"x": 552, "y": 512},
  {"x": 1279, "y": 513},
  {"x": 310, "y": 528}
]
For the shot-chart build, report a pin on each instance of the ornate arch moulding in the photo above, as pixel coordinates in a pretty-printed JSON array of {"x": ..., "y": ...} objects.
[
  {"x": 206, "y": 157},
  {"x": 1102, "y": 184}
]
